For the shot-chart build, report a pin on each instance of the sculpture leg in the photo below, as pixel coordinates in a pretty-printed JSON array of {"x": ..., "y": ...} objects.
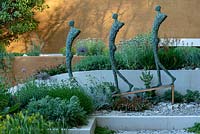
[
  {"x": 167, "y": 72},
  {"x": 122, "y": 77},
  {"x": 69, "y": 66},
  {"x": 116, "y": 80},
  {"x": 158, "y": 70}
]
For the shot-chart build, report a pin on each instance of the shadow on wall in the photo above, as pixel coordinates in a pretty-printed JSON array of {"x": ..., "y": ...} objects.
[{"x": 93, "y": 18}]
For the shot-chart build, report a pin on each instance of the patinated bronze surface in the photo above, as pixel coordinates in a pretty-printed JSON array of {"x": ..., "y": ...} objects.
[
  {"x": 116, "y": 26},
  {"x": 73, "y": 33},
  {"x": 160, "y": 17}
]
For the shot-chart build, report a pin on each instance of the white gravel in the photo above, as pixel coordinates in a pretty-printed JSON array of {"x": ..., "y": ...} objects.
[{"x": 162, "y": 108}]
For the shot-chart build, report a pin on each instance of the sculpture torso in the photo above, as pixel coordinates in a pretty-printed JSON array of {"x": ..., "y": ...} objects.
[
  {"x": 113, "y": 33},
  {"x": 160, "y": 17},
  {"x": 73, "y": 33}
]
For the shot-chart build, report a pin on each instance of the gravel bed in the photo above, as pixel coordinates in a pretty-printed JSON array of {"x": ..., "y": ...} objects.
[
  {"x": 162, "y": 108},
  {"x": 154, "y": 132}
]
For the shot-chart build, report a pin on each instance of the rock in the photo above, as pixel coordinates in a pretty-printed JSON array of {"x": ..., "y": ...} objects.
[
  {"x": 16, "y": 88},
  {"x": 167, "y": 109},
  {"x": 189, "y": 106},
  {"x": 42, "y": 76},
  {"x": 170, "y": 107}
]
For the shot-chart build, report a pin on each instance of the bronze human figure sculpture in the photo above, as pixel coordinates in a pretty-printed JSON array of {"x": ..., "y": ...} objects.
[
  {"x": 116, "y": 26},
  {"x": 160, "y": 17},
  {"x": 73, "y": 33}
]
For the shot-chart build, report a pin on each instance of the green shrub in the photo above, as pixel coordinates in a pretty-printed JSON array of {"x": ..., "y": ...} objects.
[
  {"x": 35, "y": 51},
  {"x": 138, "y": 40},
  {"x": 90, "y": 47},
  {"x": 145, "y": 58},
  {"x": 30, "y": 90},
  {"x": 4, "y": 101},
  {"x": 18, "y": 54},
  {"x": 171, "y": 58},
  {"x": 6, "y": 61},
  {"x": 93, "y": 63},
  {"x": 3, "y": 84},
  {"x": 191, "y": 56},
  {"x": 68, "y": 112},
  {"x": 65, "y": 92},
  {"x": 55, "y": 70},
  {"x": 63, "y": 51},
  {"x": 23, "y": 124},
  {"x": 17, "y": 18},
  {"x": 195, "y": 128},
  {"x": 103, "y": 130},
  {"x": 2, "y": 48},
  {"x": 137, "y": 53},
  {"x": 192, "y": 96},
  {"x": 135, "y": 104},
  {"x": 101, "y": 93},
  {"x": 35, "y": 90},
  {"x": 7, "y": 103},
  {"x": 147, "y": 77},
  {"x": 178, "y": 98}
]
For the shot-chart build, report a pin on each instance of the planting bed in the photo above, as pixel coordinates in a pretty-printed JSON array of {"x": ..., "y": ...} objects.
[
  {"x": 163, "y": 118},
  {"x": 186, "y": 79},
  {"x": 161, "y": 109}
]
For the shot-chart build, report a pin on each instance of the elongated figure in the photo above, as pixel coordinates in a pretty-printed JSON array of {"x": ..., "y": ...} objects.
[
  {"x": 73, "y": 33},
  {"x": 116, "y": 26},
  {"x": 160, "y": 17}
]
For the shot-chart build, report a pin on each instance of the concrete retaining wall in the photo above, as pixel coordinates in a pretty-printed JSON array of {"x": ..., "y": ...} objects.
[
  {"x": 130, "y": 123},
  {"x": 22, "y": 67},
  {"x": 186, "y": 79}
]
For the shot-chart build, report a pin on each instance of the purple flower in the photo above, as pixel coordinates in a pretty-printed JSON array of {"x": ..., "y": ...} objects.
[
  {"x": 82, "y": 50},
  {"x": 23, "y": 70}
]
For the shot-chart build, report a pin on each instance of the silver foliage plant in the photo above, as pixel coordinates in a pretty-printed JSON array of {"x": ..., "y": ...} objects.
[{"x": 101, "y": 92}]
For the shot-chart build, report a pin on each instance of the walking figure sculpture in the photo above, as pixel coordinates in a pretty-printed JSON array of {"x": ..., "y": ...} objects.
[
  {"x": 160, "y": 17},
  {"x": 73, "y": 33},
  {"x": 116, "y": 26}
]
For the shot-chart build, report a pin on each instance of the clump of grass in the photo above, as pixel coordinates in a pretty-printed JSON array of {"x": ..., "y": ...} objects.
[
  {"x": 195, "y": 128},
  {"x": 103, "y": 130}
]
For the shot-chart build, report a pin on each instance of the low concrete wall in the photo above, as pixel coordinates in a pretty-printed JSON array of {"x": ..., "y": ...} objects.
[
  {"x": 130, "y": 123},
  {"x": 25, "y": 66},
  {"x": 86, "y": 129},
  {"x": 186, "y": 79}
]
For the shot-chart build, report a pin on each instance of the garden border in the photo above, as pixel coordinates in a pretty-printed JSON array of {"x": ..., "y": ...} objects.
[
  {"x": 87, "y": 129},
  {"x": 130, "y": 123},
  {"x": 185, "y": 79}
]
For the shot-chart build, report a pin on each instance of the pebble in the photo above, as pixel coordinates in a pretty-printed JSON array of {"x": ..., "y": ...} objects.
[{"x": 162, "y": 108}]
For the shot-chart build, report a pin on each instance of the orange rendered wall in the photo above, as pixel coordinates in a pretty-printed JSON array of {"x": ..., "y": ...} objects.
[
  {"x": 93, "y": 18},
  {"x": 24, "y": 67}
]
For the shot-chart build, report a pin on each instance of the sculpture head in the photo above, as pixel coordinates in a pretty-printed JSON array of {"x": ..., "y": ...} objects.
[
  {"x": 71, "y": 23},
  {"x": 158, "y": 8},
  {"x": 115, "y": 16}
]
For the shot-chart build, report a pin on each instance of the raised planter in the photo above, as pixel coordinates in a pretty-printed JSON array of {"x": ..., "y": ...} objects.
[
  {"x": 25, "y": 66},
  {"x": 87, "y": 129},
  {"x": 130, "y": 123},
  {"x": 186, "y": 79}
]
